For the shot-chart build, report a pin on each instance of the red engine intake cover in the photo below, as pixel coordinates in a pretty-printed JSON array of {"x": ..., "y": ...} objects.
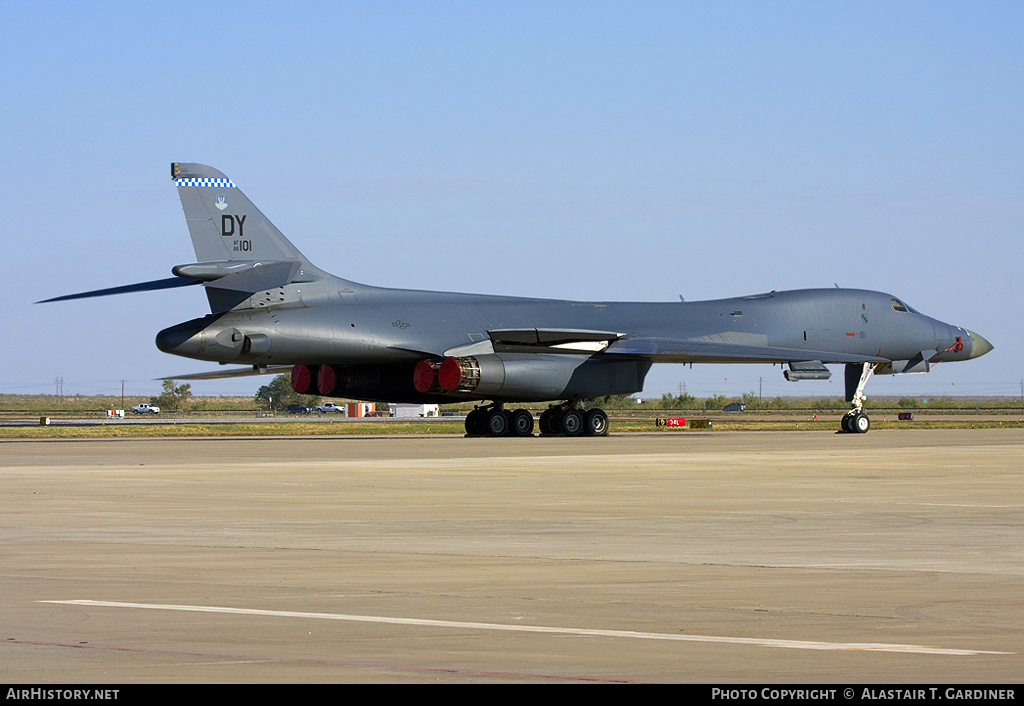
[
  {"x": 326, "y": 380},
  {"x": 302, "y": 379},
  {"x": 424, "y": 376},
  {"x": 449, "y": 374}
]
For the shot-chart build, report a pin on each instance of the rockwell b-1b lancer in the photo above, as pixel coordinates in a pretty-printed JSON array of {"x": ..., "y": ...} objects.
[{"x": 273, "y": 310}]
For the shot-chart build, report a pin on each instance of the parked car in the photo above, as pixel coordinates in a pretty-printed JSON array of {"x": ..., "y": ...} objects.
[
  {"x": 297, "y": 409},
  {"x": 734, "y": 407},
  {"x": 330, "y": 407},
  {"x": 145, "y": 409}
]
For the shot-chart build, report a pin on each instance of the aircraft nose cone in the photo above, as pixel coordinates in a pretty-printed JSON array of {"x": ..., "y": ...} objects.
[{"x": 979, "y": 345}]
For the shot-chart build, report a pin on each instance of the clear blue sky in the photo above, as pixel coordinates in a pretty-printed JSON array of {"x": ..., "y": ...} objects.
[{"x": 590, "y": 150}]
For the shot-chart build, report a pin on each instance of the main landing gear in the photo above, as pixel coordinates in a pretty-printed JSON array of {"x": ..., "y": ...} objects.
[
  {"x": 569, "y": 419},
  {"x": 855, "y": 421},
  {"x": 495, "y": 420},
  {"x": 565, "y": 419}
]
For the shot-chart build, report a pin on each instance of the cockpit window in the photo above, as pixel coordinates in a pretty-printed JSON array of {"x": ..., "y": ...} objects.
[{"x": 901, "y": 307}]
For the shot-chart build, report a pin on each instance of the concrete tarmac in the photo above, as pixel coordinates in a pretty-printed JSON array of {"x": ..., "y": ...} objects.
[{"x": 712, "y": 557}]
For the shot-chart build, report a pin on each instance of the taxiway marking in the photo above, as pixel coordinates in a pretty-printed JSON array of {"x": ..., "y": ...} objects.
[{"x": 587, "y": 632}]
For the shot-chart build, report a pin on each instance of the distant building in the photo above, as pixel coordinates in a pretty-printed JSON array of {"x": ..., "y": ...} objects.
[
  {"x": 414, "y": 410},
  {"x": 360, "y": 409}
]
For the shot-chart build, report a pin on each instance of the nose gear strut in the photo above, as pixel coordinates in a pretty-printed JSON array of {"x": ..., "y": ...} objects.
[{"x": 855, "y": 421}]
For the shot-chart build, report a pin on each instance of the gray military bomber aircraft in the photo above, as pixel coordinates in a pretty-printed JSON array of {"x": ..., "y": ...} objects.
[{"x": 273, "y": 310}]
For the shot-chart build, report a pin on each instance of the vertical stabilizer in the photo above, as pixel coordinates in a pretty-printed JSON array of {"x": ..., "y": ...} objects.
[{"x": 224, "y": 224}]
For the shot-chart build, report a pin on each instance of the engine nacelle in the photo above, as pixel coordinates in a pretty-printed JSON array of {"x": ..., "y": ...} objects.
[
  {"x": 373, "y": 383},
  {"x": 482, "y": 375},
  {"x": 536, "y": 377}
]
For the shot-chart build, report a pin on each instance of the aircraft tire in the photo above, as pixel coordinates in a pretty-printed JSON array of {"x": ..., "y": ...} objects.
[
  {"x": 548, "y": 422},
  {"x": 471, "y": 421},
  {"x": 571, "y": 423},
  {"x": 595, "y": 423},
  {"x": 497, "y": 422},
  {"x": 860, "y": 424},
  {"x": 856, "y": 423},
  {"x": 522, "y": 423},
  {"x": 846, "y": 423}
]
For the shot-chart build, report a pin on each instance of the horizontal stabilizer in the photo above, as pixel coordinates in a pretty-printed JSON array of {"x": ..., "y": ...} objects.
[
  {"x": 258, "y": 276},
  {"x": 169, "y": 283},
  {"x": 210, "y": 271},
  {"x": 245, "y": 277},
  {"x": 233, "y": 373}
]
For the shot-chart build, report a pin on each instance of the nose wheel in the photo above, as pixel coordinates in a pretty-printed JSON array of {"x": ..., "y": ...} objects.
[{"x": 855, "y": 423}]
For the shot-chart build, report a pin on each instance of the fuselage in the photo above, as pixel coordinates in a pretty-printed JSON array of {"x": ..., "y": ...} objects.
[{"x": 335, "y": 322}]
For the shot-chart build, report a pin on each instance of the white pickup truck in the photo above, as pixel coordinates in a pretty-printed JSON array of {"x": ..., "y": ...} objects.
[
  {"x": 145, "y": 409},
  {"x": 330, "y": 407}
]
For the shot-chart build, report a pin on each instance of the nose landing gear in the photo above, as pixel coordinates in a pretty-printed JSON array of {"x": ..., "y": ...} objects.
[{"x": 855, "y": 421}]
